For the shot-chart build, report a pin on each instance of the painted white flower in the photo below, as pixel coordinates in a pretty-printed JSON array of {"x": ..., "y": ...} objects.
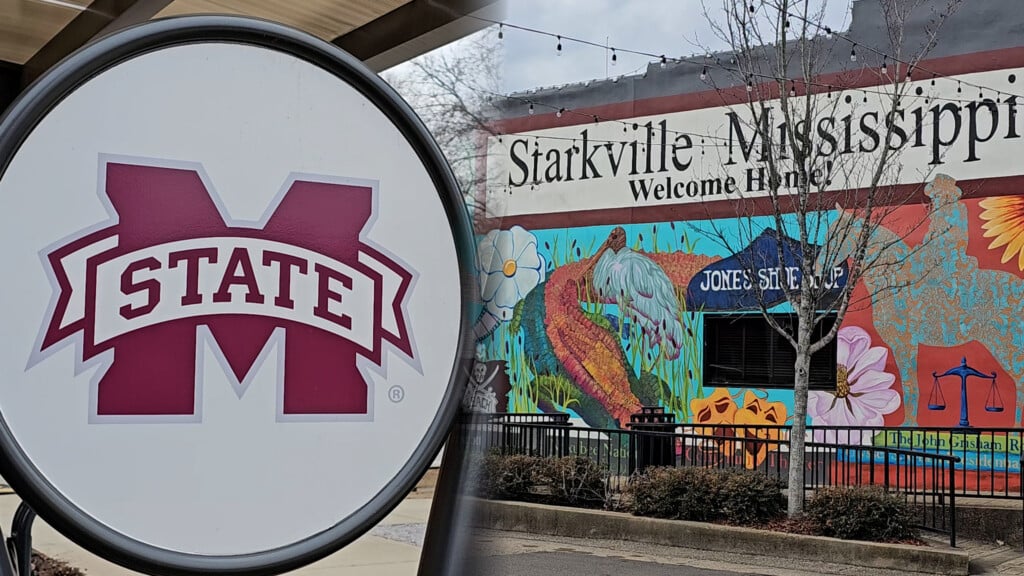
[
  {"x": 509, "y": 268},
  {"x": 863, "y": 394}
]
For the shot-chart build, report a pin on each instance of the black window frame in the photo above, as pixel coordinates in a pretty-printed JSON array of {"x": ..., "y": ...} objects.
[{"x": 769, "y": 367}]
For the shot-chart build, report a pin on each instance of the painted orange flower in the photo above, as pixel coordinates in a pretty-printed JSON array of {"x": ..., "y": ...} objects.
[
  {"x": 1004, "y": 221},
  {"x": 759, "y": 411}
]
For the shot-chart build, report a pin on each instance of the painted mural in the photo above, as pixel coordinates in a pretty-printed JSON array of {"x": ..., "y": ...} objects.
[{"x": 599, "y": 321}]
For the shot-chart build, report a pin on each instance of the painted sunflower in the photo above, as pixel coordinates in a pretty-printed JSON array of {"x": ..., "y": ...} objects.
[{"x": 1004, "y": 221}]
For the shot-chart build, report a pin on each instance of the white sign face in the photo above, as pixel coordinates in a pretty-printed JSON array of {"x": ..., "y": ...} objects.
[
  {"x": 232, "y": 300},
  {"x": 713, "y": 154}
]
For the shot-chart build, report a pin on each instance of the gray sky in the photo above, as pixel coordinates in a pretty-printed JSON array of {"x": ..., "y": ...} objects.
[{"x": 670, "y": 27}]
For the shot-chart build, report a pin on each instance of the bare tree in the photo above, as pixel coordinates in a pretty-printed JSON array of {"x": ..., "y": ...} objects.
[
  {"x": 790, "y": 116},
  {"x": 451, "y": 90}
]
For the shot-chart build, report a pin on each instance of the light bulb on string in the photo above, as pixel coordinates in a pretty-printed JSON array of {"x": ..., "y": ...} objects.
[
  {"x": 828, "y": 31},
  {"x": 959, "y": 87},
  {"x": 615, "y": 57},
  {"x": 910, "y": 73},
  {"x": 792, "y": 90},
  {"x": 558, "y": 48},
  {"x": 501, "y": 31},
  {"x": 853, "y": 53},
  {"x": 752, "y": 9},
  {"x": 664, "y": 61},
  {"x": 559, "y": 113},
  {"x": 531, "y": 109},
  {"x": 885, "y": 67},
  {"x": 704, "y": 73},
  {"x": 750, "y": 84}
]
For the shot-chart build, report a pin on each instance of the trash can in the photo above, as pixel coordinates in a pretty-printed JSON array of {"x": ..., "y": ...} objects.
[{"x": 651, "y": 443}]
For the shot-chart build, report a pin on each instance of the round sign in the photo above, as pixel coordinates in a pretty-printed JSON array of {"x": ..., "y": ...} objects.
[{"x": 233, "y": 298}]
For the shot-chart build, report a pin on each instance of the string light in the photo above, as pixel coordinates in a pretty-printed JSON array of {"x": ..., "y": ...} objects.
[
  {"x": 752, "y": 9},
  {"x": 826, "y": 29},
  {"x": 885, "y": 68},
  {"x": 615, "y": 58},
  {"x": 652, "y": 130},
  {"x": 898, "y": 61},
  {"x": 664, "y": 61},
  {"x": 531, "y": 108},
  {"x": 910, "y": 73},
  {"x": 501, "y": 31},
  {"x": 704, "y": 68},
  {"x": 792, "y": 90}
]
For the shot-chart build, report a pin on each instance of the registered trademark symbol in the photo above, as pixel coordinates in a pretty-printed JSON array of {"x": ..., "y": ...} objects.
[{"x": 396, "y": 393}]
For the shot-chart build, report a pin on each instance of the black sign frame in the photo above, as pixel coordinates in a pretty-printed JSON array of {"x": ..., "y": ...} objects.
[{"x": 77, "y": 69}]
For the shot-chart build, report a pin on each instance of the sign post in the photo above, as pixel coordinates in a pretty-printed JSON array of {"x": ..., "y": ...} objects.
[{"x": 236, "y": 280}]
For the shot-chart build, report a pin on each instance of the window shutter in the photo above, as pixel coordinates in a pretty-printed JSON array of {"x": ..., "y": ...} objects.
[{"x": 745, "y": 351}]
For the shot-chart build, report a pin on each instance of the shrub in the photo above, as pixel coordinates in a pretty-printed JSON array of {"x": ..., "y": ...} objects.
[
  {"x": 861, "y": 513},
  {"x": 704, "y": 494},
  {"x": 748, "y": 498},
  {"x": 573, "y": 481},
  {"x": 506, "y": 477}
]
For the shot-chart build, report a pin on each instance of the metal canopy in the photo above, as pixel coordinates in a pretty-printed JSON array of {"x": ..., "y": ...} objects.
[{"x": 36, "y": 34}]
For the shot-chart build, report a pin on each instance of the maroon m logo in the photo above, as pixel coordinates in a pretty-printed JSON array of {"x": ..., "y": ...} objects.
[{"x": 172, "y": 266}]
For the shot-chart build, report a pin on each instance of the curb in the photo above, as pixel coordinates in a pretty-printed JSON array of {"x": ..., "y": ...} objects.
[{"x": 597, "y": 524}]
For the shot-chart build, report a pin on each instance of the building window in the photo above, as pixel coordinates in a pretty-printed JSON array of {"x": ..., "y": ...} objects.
[{"x": 745, "y": 351}]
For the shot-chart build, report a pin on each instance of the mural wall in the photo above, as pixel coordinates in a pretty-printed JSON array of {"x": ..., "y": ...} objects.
[{"x": 599, "y": 321}]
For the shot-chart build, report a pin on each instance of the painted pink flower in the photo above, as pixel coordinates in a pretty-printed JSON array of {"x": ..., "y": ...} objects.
[{"x": 863, "y": 394}]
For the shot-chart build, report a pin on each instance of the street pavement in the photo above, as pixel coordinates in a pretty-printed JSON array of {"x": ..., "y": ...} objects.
[
  {"x": 573, "y": 563},
  {"x": 516, "y": 554},
  {"x": 391, "y": 549}
]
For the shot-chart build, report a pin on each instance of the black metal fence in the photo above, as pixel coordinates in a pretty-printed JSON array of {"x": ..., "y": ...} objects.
[
  {"x": 989, "y": 464},
  {"x": 928, "y": 480}
]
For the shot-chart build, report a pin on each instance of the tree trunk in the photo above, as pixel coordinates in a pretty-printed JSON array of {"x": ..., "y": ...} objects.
[{"x": 795, "y": 484}]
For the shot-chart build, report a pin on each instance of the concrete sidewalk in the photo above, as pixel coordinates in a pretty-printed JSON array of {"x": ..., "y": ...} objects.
[{"x": 390, "y": 549}]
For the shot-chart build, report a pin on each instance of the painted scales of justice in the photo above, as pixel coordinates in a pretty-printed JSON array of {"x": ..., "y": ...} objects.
[{"x": 936, "y": 401}]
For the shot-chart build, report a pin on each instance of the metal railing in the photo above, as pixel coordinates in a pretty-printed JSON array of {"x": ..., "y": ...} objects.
[{"x": 927, "y": 480}]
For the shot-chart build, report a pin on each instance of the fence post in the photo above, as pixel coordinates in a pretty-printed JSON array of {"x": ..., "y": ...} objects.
[
  {"x": 952, "y": 504},
  {"x": 632, "y": 452},
  {"x": 886, "y": 470}
]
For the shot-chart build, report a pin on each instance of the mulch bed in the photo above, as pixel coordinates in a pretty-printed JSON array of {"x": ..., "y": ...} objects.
[
  {"x": 806, "y": 527},
  {"x": 46, "y": 566}
]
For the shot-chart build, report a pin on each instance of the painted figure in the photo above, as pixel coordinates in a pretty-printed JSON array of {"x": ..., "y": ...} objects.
[{"x": 920, "y": 289}]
